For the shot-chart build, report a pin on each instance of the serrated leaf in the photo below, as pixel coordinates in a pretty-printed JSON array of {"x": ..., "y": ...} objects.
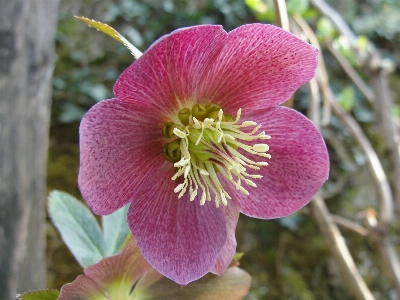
[
  {"x": 78, "y": 227},
  {"x": 115, "y": 230},
  {"x": 40, "y": 295},
  {"x": 113, "y": 33}
]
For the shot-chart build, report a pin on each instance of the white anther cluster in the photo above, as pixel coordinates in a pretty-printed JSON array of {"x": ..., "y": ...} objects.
[{"x": 211, "y": 146}]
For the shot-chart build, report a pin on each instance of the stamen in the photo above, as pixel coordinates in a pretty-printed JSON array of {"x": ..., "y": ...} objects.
[{"x": 208, "y": 143}]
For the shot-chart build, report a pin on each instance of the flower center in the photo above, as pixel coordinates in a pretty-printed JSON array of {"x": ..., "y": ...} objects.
[{"x": 208, "y": 142}]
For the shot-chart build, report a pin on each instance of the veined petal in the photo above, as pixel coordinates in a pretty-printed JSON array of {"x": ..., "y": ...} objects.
[
  {"x": 179, "y": 238},
  {"x": 82, "y": 288},
  {"x": 299, "y": 165},
  {"x": 234, "y": 284},
  {"x": 228, "y": 250},
  {"x": 111, "y": 278},
  {"x": 259, "y": 67},
  {"x": 168, "y": 74},
  {"x": 120, "y": 148}
]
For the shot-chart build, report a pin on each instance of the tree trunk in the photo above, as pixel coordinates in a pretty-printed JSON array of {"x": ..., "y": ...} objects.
[{"x": 27, "y": 29}]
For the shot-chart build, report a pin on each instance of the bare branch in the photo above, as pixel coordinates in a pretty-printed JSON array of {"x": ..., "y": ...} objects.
[
  {"x": 350, "y": 225},
  {"x": 383, "y": 108},
  {"x": 282, "y": 19},
  {"x": 348, "y": 68},
  {"x": 345, "y": 263},
  {"x": 376, "y": 169},
  {"x": 337, "y": 20},
  {"x": 326, "y": 113},
  {"x": 385, "y": 248}
]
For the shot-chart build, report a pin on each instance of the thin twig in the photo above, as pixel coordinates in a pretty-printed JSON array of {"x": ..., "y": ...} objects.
[
  {"x": 345, "y": 263},
  {"x": 352, "y": 73},
  {"x": 326, "y": 112},
  {"x": 337, "y": 20},
  {"x": 376, "y": 169},
  {"x": 350, "y": 225},
  {"x": 382, "y": 104},
  {"x": 346, "y": 266},
  {"x": 282, "y": 20},
  {"x": 281, "y": 15},
  {"x": 383, "y": 108},
  {"x": 385, "y": 248},
  {"x": 313, "y": 110}
]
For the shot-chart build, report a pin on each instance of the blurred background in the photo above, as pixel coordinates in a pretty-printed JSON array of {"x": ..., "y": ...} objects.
[{"x": 288, "y": 258}]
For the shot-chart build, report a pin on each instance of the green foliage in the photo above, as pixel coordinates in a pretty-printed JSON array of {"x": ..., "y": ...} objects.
[
  {"x": 264, "y": 10},
  {"x": 115, "y": 230},
  {"x": 347, "y": 98},
  {"x": 381, "y": 17},
  {"x": 78, "y": 227},
  {"x": 81, "y": 232},
  {"x": 325, "y": 29},
  {"x": 40, "y": 295},
  {"x": 297, "y": 6}
]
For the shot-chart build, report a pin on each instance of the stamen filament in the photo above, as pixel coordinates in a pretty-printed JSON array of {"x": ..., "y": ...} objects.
[{"x": 209, "y": 148}]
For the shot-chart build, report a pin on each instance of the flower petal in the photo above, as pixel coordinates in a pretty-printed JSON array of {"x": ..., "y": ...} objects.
[
  {"x": 299, "y": 165},
  {"x": 82, "y": 288},
  {"x": 120, "y": 147},
  {"x": 169, "y": 72},
  {"x": 260, "y": 66},
  {"x": 228, "y": 250},
  {"x": 111, "y": 278},
  {"x": 234, "y": 284},
  {"x": 181, "y": 239}
]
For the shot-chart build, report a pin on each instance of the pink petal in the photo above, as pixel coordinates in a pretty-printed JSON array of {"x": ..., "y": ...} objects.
[
  {"x": 179, "y": 238},
  {"x": 260, "y": 66},
  {"x": 111, "y": 278},
  {"x": 82, "y": 288},
  {"x": 169, "y": 72},
  {"x": 120, "y": 148},
  {"x": 299, "y": 165},
  {"x": 127, "y": 266},
  {"x": 228, "y": 250}
]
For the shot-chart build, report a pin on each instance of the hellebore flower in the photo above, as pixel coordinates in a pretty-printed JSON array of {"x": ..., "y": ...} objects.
[
  {"x": 129, "y": 276},
  {"x": 195, "y": 136}
]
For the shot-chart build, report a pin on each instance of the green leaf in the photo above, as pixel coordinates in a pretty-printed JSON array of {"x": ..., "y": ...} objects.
[
  {"x": 263, "y": 10},
  {"x": 78, "y": 227},
  {"x": 116, "y": 230},
  {"x": 40, "y": 295},
  {"x": 297, "y": 6},
  {"x": 347, "y": 98},
  {"x": 325, "y": 29}
]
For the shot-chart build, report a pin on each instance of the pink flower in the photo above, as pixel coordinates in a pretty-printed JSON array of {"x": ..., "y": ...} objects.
[
  {"x": 128, "y": 275},
  {"x": 182, "y": 143}
]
